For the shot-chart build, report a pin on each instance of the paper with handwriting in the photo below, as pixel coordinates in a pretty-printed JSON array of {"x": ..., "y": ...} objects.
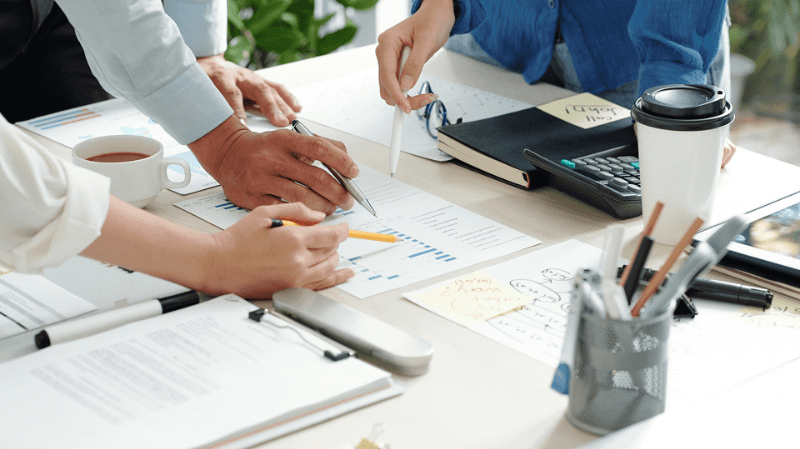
[
  {"x": 544, "y": 277},
  {"x": 585, "y": 110},
  {"x": 472, "y": 298}
]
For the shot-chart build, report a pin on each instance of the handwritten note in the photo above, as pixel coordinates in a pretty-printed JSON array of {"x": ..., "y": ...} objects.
[
  {"x": 536, "y": 327},
  {"x": 783, "y": 314},
  {"x": 585, "y": 110},
  {"x": 472, "y": 298}
]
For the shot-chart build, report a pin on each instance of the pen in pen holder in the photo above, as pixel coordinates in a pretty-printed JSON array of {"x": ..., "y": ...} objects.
[{"x": 619, "y": 367}]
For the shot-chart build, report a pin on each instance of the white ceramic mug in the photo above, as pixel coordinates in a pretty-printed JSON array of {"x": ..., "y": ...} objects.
[
  {"x": 681, "y": 130},
  {"x": 137, "y": 182}
]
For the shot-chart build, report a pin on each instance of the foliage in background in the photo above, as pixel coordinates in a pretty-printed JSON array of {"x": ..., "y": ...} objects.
[
  {"x": 264, "y": 33},
  {"x": 768, "y": 32}
]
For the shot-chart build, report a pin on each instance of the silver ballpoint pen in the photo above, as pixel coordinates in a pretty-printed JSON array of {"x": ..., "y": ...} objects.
[{"x": 347, "y": 183}]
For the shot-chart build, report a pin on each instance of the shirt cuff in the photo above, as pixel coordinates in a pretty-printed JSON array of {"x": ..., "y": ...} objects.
[
  {"x": 203, "y": 24},
  {"x": 652, "y": 74},
  {"x": 191, "y": 91},
  {"x": 78, "y": 224}
]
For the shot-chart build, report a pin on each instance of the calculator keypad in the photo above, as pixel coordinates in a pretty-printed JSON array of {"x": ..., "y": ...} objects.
[{"x": 619, "y": 173}]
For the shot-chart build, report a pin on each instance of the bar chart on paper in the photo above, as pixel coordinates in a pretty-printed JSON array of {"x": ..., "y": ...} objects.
[{"x": 438, "y": 237}]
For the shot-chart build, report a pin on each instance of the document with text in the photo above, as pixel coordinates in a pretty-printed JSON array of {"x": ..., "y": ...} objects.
[
  {"x": 30, "y": 301},
  {"x": 203, "y": 376}
]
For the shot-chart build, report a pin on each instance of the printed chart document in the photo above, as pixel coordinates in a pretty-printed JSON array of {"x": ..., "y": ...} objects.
[
  {"x": 203, "y": 376},
  {"x": 723, "y": 345},
  {"x": 29, "y": 301},
  {"x": 438, "y": 236},
  {"x": 353, "y": 104},
  {"x": 115, "y": 117}
]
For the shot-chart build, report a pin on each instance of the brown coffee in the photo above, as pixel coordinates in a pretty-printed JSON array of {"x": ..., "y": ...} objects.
[{"x": 122, "y": 156}]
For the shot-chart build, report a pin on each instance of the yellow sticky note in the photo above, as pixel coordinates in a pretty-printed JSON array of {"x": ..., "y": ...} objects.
[
  {"x": 472, "y": 298},
  {"x": 586, "y": 110}
]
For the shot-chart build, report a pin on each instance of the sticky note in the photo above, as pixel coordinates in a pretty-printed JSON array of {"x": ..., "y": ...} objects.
[
  {"x": 586, "y": 110},
  {"x": 472, "y": 298}
]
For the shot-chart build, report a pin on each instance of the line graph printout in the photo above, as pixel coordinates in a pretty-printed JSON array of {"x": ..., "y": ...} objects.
[
  {"x": 438, "y": 236},
  {"x": 116, "y": 117},
  {"x": 353, "y": 104}
]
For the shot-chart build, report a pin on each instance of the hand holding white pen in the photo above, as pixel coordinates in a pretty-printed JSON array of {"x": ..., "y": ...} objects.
[{"x": 397, "y": 126}]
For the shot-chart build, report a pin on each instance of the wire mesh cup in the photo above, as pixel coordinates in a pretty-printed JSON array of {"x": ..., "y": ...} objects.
[{"x": 620, "y": 372}]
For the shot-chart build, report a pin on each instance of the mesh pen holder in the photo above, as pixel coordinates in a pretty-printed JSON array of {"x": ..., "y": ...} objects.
[{"x": 620, "y": 372}]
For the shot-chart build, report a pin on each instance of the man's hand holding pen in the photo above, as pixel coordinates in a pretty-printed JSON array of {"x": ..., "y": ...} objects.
[{"x": 257, "y": 169}]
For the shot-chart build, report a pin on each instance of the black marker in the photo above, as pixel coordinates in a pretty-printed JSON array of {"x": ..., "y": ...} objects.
[
  {"x": 725, "y": 292},
  {"x": 99, "y": 322}
]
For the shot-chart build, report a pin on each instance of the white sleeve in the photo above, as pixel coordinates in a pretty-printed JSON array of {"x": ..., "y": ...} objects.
[
  {"x": 136, "y": 51},
  {"x": 203, "y": 24},
  {"x": 51, "y": 210}
]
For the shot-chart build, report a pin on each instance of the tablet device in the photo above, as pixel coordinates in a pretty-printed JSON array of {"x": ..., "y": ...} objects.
[{"x": 769, "y": 245}]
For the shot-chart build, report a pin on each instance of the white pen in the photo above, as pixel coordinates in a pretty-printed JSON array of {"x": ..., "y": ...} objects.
[
  {"x": 613, "y": 294},
  {"x": 397, "y": 126},
  {"x": 347, "y": 183}
]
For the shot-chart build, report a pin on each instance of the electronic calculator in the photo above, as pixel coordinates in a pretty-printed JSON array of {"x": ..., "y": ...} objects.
[{"x": 608, "y": 180}]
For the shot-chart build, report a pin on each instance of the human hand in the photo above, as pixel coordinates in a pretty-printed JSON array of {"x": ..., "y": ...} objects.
[
  {"x": 727, "y": 152},
  {"x": 254, "y": 260},
  {"x": 257, "y": 169},
  {"x": 243, "y": 87},
  {"x": 425, "y": 32}
]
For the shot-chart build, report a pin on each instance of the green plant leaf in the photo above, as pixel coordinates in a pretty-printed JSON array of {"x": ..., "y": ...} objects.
[
  {"x": 279, "y": 39},
  {"x": 233, "y": 16},
  {"x": 304, "y": 11},
  {"x": 330, "y": 42},
  {"x": 265, "y": 14},
  {"x": 360, "y": 5},
  {"x": 239, "y": 51}
]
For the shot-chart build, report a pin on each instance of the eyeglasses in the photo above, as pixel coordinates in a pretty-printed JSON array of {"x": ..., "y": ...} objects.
[{"x": 434, "y": 114}]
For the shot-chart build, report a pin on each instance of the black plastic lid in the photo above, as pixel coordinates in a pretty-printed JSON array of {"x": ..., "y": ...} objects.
[{"x": 683, "y": 107}]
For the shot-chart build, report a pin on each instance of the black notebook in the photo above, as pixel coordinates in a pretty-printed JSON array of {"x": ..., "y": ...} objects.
[{"x": 578, "y": 125}]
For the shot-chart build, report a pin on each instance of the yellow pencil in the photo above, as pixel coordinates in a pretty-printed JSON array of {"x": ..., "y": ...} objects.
[{"x": 357, "y": 234}]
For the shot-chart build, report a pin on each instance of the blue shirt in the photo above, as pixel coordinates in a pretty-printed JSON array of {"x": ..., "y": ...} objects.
[{"x": 612, "y": 42}]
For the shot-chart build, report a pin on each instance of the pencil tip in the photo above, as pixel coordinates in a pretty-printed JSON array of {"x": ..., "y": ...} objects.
[{"x": 398, "y": 239}]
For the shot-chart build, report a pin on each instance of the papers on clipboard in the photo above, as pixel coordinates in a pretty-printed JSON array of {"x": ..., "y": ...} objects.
[{"x": 203, "y": 376}]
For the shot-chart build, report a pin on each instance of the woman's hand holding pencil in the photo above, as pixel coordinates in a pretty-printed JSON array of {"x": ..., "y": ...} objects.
[{"x": 388, "y": 238}]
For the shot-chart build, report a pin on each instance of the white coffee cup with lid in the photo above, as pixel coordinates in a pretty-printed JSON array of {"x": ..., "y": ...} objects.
[{"x": 681, "y": 130}]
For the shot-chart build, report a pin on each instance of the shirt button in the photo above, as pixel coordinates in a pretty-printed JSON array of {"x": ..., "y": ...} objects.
[{"x": 551, "y": 3}]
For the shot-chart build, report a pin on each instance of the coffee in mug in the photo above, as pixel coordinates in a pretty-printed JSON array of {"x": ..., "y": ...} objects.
[
  {"x": 122, "y": 156},
  {"x": 135, "y": 164}
]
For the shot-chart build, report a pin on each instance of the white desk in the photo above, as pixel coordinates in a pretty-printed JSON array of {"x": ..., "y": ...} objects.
[{"x": 477, "y": 394}]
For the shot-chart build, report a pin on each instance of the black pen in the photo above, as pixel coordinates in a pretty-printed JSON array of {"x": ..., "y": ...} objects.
[
  {"x": 99, "y": 322},
  {"x": 725, "y": 292},
  {"x": 637, "y": 266},
  {"x": 347, "y": 183}
]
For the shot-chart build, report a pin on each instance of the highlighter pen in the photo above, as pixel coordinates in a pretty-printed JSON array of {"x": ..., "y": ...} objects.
[
  {"x": 347, "y": 183},
  {"x": 99, "y": 322},
  {"x": 725, "y": 292},
  {"x": 388, "y": 238}
]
